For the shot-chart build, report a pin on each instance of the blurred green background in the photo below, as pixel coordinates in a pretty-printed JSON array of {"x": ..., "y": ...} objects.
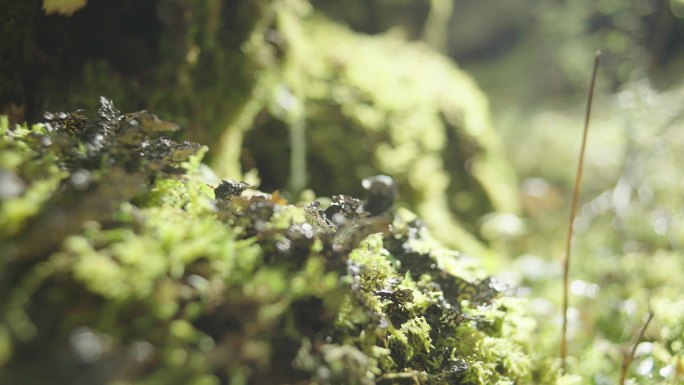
[{"x": 475, "y": 107}]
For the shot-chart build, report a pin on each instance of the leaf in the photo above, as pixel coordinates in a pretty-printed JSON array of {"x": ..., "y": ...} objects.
[{"x": 63, "y": 7}]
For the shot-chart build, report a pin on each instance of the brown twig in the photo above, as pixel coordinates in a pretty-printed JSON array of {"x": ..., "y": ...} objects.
[
  {"x": 573, "y": 213},
  {"x": 630, "y": 356}
]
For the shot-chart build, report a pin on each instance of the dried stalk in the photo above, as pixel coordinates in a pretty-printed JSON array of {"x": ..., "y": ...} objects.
[
  {"x": 573, "y": 213},
  {"x": 629, "y": 357}
]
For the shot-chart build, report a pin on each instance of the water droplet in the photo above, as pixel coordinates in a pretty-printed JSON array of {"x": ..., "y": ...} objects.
[{"x": 85, "y": 344}]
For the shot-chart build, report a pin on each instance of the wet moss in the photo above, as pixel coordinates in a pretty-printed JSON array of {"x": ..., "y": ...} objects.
[{"x": 185, "y": 280}]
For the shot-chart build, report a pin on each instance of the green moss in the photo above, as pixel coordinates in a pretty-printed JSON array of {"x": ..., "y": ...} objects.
[
  {"x": 390, "y": 107},
  {"x": 29, "y": 176},
  {"x": 189, "y": 286},
  {"x": 275, "y": 91}
]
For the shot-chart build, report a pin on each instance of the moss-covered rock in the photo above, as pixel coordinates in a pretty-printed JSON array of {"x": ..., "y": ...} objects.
[{"x": 122, "y": 264}]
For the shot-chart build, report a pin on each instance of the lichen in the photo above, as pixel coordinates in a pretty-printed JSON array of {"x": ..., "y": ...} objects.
[{"x": 183, "y": 281}]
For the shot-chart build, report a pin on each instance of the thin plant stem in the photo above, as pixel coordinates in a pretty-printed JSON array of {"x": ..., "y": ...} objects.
[
  {"x": 573, "y": 213},
  {"x": 630, "y": 356},
  {"x": 413, "y": 375}
]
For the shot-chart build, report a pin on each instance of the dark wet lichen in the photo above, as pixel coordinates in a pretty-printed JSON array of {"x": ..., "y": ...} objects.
[
  {"x": 114, "y": 139},
  {"x": 104, "y": 166},
  {"x": 130, "y": 250},
  {"x": 228, "y": 188}
]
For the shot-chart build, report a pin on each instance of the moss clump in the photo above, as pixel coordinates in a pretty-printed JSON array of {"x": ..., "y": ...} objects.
[
  {"x": 352, "y": 105},
  {"x": 168, "y": 280}
]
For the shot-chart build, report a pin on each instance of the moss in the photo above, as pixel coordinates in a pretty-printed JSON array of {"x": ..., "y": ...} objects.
[
  {"x": 284, "y": 73},
  {"x": 178, "y": 282},
  {"x": 175, "y": 57},
  {"x": 389, "y": 107}
]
